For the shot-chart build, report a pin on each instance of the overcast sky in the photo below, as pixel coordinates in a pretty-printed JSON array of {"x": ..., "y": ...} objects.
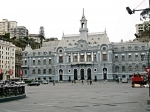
[{"x": 58, "y": 16}]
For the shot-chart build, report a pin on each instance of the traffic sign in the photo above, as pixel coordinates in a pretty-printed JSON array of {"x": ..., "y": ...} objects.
[{"x": 147, "y": 70}]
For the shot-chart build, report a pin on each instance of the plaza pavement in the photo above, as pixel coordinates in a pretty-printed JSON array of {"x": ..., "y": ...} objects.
[{"x": 65, "y": 97}]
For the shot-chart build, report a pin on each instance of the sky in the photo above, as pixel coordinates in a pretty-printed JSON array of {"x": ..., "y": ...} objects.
[{"x": 58, "y": 16}]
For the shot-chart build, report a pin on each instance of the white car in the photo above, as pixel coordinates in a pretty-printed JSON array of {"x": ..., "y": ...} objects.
[
  {"x": 125, "y": 80},
  {"x": 44, "y": 82},
  {"x": 20, "y": 82}
]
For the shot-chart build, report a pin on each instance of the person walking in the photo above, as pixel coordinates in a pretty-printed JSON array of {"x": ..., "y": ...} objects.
[
  {"x": 82, "y": 82},
  {"x": 53, "y": 83}
]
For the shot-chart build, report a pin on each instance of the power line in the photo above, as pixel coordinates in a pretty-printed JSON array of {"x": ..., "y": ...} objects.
[{"x": 140, "y": 4}]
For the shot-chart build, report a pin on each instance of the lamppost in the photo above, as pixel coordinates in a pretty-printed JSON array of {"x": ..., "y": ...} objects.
[{"x": 144, "y": 14}]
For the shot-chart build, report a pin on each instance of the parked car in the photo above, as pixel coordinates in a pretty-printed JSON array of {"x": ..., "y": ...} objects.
[
  {"x": 33, "y": 84},
  {"x": 124, "y": 80},
  {"x": 20, "y": 82},
  {"x": 44, "y": 82}
]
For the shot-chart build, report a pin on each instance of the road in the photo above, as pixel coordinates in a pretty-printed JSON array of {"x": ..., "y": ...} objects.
[{"x": 65, "y": 97}]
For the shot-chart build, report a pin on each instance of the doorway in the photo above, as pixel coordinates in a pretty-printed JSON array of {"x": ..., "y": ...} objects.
[
  {"x": 105, "y": 73},
  {"x": 75, "y": 74},
  {"x": 60, "y": 75},
  {"x": 82, "y": 74},
  {"x": 89, "y": 74}
]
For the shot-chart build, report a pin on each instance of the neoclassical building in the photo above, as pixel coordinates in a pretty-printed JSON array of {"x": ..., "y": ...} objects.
[{"x": 84, "y": 56}]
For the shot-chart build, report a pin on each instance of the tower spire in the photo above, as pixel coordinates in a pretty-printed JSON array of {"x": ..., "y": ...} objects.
[{"x": 83, "y": 11}]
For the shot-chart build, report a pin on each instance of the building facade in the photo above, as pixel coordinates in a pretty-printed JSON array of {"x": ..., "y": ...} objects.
[
  {"x": 18, "y": 32},
  {"x": 5, "y": 26},
  {"x": 84, "y": 56},
  {"x": 18, "y": 62},
  {"x": 7, "y": 60},
  {"x": 36, "y": 37},
  {"x": 142, "y": 27}
]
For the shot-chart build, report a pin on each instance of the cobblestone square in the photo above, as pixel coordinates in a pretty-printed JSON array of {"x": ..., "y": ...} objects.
[{"x": 68, "y": 97}]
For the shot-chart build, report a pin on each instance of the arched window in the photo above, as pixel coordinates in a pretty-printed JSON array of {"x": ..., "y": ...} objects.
[
  {"x": 33, "y": 71},
  {"x": 143, "y": 67},
  {"x": 50, "y": 71},
  {"x": 123, "y": 68},
  {"x": 39, "y": 62},
  {"x": 25, "y": 62},
  {"x": 130, "y": 68},
  {"x": 44, "y": 62},
  {"x": 44, "y": 71},
  {"x": 136, "y": 68},
  {"x": 39, "y": 71},
  {"x": 117, "y": 69},
  {"x": 25, "y": 71}
]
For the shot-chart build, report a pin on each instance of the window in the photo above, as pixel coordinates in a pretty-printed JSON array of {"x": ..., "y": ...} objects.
[
  {"x": 38, "y": 53},
  {"x": 44, "y": 71},
  {"x": 25, "y": 71},
  {"x": 60, "y": 59},
  {"x": 25, "y": 62},
  {"x": 60, "y": 51},
  {"x": 136, "y": 57},
  {"x": 104, "y": 57},
  {"x": 95, "y": 70},
  {"x": 75, "y": 58},
  {"x": 95, "y": 58},
  {"x": 116, "y": 49},
  {"x": 143, "y": 67},
  {"x": 50, "y": 71},
  {"x": 136, "y": 68},
  {"x": 104, "y": 48},
  {"x": 33, "y": 71},
  {"x": 117, "y": 69},
  {"x": 39, "y": 71},
  {"x": 123, "y": 68},
  {"x": 136, "y": 47},
  {"x": 116, "y": 58},
  {"x": 130, "y": 68},
  {"x": 49, "y": 61},
  {"x": 33, "y": 62},
  {"x": 122, "y": 48},
  {"x": 44, "y": 62},
  {"x": 81, "y": 58},
  {"x": 34, "y": 54},
  {"x": 69, "y": 59},
  {"x": 142, "y": 57},
  {"x": 69, "y": 71},
  {"x": 143, "y": 47},
  {"x": 129, "y": 48},
  {"x": 39, "y": 62},
  {"x": 123, "y": 58},
  {"x": 89, "y": 58},
  {"x": 129, "y": 58}
]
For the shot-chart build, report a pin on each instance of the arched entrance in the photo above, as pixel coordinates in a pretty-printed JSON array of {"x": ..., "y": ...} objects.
[
  {"x": 89, "y": 74},
  {"x": 60, "y": 75},
  {"x": 82, "y": 74},
  {"x": 75, "y": 74},
  {"x": 105, "y": 73}
]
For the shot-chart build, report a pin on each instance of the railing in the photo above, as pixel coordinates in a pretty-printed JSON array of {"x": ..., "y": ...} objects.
[{"x": 12, "y": 91}]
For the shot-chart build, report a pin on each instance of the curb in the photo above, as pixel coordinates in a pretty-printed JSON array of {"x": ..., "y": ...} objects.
[{"x": 12, "y": 98}]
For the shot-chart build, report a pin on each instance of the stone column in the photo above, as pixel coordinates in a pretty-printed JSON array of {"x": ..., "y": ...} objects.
[
  {"x": 92, "y": 56},
  {"x": 85, "y": 55},
  {"x": 78, "y": 57}
]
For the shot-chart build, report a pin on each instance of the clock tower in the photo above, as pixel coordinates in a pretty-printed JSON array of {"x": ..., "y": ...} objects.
[{"x": 83, "y": 29}]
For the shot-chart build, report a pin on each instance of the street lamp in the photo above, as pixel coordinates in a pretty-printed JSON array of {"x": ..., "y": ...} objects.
[{"x": 144, "y": 14}]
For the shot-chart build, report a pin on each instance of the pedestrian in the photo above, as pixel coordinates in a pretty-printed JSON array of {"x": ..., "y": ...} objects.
[
  {"x": 87, "y": 82},
  {"x": 72, "y": 82},
  {"x": 82, "y": 82},
  {"x": 90, "y": 82},
  {"x": 53, "y": 83},
  {"x": 75, "y": 81}
]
